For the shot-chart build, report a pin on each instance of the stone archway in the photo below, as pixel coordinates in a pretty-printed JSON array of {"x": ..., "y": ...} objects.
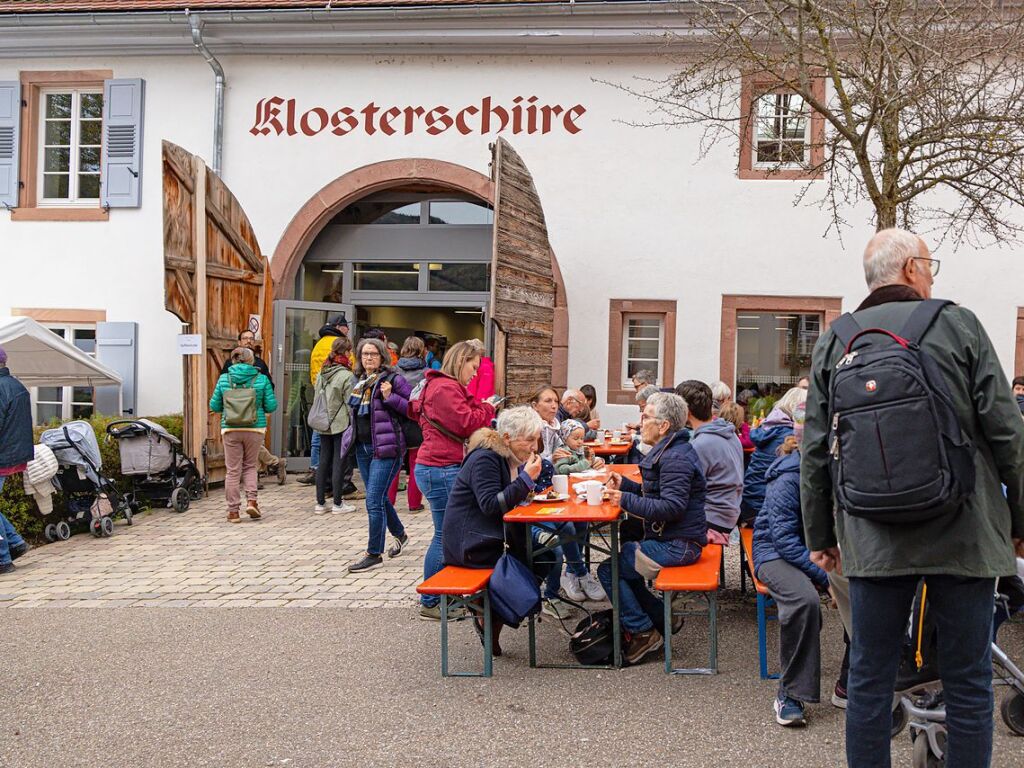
[{"x": 318, "y": 211}]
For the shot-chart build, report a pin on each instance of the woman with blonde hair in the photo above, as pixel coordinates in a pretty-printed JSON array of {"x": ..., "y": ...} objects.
[{"x": 448, "y": 414}]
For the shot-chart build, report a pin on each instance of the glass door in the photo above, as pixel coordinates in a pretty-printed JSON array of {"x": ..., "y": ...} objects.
[{"x": 297, "y": 327}]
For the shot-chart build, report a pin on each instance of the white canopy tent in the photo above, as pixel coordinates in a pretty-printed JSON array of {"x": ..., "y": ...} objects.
[{"x": 40, "y": 358}]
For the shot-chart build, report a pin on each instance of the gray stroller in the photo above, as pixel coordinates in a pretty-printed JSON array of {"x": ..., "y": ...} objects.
[
  {"x": 160, "y": 472},
  {"x": 91, "y": 500}
]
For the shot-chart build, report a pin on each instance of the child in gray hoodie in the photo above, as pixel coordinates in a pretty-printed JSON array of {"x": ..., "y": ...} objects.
[{"x": 721, "y": 458}]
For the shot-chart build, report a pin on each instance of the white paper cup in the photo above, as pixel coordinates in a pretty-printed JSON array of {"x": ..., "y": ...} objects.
[
  {"x": 561, "y": 484},
  {"x": 595, "y": 494},
  {"x": 616, "y": 435}
]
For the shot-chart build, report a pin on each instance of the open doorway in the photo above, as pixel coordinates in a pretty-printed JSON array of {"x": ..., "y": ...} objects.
[{"x": 447, "y": 325}]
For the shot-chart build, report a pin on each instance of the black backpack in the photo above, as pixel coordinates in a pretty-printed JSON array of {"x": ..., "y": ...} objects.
[
  {"x": 898, "y": 453},
  {"x": 591, "y": 643}
]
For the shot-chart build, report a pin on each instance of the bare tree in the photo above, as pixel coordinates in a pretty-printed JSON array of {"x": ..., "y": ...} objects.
[{"x": 923, "y": 109}]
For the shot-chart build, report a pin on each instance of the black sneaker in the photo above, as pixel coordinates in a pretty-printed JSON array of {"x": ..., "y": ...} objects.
[
  {"x": 20, "y": 550},
  {"x": 397, "y": 543},
  {"x": 7, "y": 568},
  {"x": 367, "y": 563}
]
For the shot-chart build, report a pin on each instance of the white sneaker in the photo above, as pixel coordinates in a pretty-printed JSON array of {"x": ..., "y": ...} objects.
[
  {"x": 592, "y": 587},
  {"x": 571, "y": 586},
  {"x": 319, "y": 509},
  {"x": 337, "y": 509}
]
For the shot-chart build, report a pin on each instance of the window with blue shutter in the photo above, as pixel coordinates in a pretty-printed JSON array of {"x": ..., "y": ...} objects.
[
  {"x": 10, "y": 120},
  {"x": 121, "y": 177}
]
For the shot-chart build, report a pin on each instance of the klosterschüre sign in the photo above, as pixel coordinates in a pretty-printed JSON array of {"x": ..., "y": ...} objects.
[{"x": 522, "y": 115}]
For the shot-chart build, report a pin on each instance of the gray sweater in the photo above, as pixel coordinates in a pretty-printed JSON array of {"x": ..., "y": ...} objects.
[{"x": 721, "y": 458}]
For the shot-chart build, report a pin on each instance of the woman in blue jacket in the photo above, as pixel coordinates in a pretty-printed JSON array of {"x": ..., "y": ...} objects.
[
  {"x": 782, "y": 563},
  {"x": 767, "y": 439}
]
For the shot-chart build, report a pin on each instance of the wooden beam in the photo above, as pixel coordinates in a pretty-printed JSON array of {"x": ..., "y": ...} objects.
[{"x": 200, "y": 399}]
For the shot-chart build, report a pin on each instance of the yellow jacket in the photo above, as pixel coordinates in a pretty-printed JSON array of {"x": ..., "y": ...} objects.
[{"x": 319, "y": 355}]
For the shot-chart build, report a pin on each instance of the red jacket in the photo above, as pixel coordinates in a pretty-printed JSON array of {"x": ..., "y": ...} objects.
[{"x": 449, "y": 404}]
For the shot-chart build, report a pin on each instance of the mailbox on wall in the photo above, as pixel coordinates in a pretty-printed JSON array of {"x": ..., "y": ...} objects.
[{"x": 117, "y": 347}]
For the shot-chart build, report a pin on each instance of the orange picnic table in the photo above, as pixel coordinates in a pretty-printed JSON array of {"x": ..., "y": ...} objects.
[
  {"x": 607, "y": 449},
  {"x": 607, "y": 515}
]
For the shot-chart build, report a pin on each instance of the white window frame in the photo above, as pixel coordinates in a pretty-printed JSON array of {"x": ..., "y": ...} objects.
[
  {"x": 756, "y": 138},
  {"x": 72, "y": 200},
  {"x": 627, "y": 382},
  {"x": 67, "y": 393}
]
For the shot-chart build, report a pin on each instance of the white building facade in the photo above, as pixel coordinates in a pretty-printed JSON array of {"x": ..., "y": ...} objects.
[{"x": 711, "y": 274}]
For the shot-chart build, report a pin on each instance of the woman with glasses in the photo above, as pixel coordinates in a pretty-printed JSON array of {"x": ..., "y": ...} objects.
[{"x": 379, "y": 403}]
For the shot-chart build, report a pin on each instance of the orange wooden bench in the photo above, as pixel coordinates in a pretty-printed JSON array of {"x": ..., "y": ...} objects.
[
  {"x": 701, "y": 577},
  {"x": 764, "y": 601},
  {"x": 466, "y": 588}
]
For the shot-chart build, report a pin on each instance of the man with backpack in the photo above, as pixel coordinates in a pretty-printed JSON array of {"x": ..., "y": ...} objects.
[{"x": 910, "y": 430}]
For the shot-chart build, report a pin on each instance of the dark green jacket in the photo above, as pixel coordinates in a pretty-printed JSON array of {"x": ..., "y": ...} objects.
[{"x": 973, "y": 542}]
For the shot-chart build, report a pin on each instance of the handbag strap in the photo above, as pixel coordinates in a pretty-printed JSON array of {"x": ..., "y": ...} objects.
[{"x": 446, "y": 432}]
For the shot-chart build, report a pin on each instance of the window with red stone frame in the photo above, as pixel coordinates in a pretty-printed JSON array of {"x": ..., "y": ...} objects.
[{"x": 771, "y": 147}]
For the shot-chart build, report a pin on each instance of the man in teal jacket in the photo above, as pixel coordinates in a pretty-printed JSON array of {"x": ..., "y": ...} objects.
[{"x": 961, "y": 553}]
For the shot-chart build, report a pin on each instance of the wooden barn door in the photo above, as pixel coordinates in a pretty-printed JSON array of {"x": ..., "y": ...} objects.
[
  {"x": 215, "y": 277},
  {"x": 522, "y": 283}
]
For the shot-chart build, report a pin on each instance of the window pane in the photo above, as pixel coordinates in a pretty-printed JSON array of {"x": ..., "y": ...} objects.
[
  {"x": 322, "y": 282},
  {"x": 58, "y": 105},
  {"x": 90, "y": 132},
  {"x": 460, "y": 277},
  {"x": 646, "y": 350},
  {"x": 49, "y": 394},
  {"x": 85, "y": 340},
  {"x": 88, "y": 185},
  {"x": 55, "y": 186},
  {"x": 792, "y": 152},
  {"x": 92, "y": 105},
  {"x": 386, "y": 277},
  {"x": 773, "y": 350},
  {"x": 45, "y": 413},
  {"x": 794, "y": 128},
  {"x": 767, "y": 129},
  {"x": 57, "y": 159},
  {"x": 81, "y": 395},
  {"x": 636, "y": 365},
  {"x": 58, "y": 132},
  {"x": 379, "y": 213},
  {"x": 644, "y": 328},
  {"x": 81, "y": 411},
  {"x": 460, "y": 213},
  {"x": 89, "y": 159}
]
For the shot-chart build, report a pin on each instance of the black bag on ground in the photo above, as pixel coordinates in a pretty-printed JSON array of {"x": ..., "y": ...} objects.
[
  {"x": 591, "y": 643},
  {"x": 898, "y": 452}
]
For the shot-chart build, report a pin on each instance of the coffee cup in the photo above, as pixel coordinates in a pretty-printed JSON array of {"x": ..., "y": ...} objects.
[
  {"x": 561, "y": 484},
  {"x": 616, "y": 435},
  {"x": 595, "y": 494}
]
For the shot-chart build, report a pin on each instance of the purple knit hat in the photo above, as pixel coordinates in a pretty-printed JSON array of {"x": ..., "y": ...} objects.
[{"x": 3, "y": 357}]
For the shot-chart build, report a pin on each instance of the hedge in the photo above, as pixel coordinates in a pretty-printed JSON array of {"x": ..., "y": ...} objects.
[{"x": 21, "y": 510}]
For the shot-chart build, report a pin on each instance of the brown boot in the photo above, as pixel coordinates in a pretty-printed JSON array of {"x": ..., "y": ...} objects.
[
  {"x": 233, "y": 516},
  {"x": 639, "y": 644},
  {"x": 252, "y": 509}
]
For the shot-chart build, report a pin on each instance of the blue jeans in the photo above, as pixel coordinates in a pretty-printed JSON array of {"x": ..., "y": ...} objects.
[
  {"x": 436, "y": 484},
  {"x": 963, "y": 613},
  {"x": 8, "y": 535},
  {"x": 640, "y": 609},
  {"x": 377, "y": 476},
  {"x": 314, "y": 451},
  {"x": 568, "y": 552}
]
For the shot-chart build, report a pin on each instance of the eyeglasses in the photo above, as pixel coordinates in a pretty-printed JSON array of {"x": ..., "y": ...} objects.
[{"x": 933, "y": 264}]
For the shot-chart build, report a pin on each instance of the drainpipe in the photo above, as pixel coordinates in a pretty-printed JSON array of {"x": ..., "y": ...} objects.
[{"x": 218, "y": 89}]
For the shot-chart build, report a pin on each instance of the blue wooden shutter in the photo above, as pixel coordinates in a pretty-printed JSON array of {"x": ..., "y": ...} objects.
[
  {"x": 10, "y": 120},
  {"x": 121, "y": 181}
]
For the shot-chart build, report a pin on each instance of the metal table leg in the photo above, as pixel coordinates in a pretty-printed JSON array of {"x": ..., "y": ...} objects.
[
  {"x": 532, "y": 624},
  {"x": 616, "y": 625}
]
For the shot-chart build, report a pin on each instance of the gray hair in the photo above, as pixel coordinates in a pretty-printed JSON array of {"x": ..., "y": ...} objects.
[
  {"x": 643, "y": 377},
  {"x": 886, "y": 254},
  {"x": 669, "y": 407},
  {"x": 385, "y": 355},
  {"x": 645, "y": 394},
  {"x": 720, "y": 392},
  {"x": 243, "y": 355},
  {"x": 521, "y": 421},
  {"x": 789, "y": 401},
  {"x": 574, "y": 394}
]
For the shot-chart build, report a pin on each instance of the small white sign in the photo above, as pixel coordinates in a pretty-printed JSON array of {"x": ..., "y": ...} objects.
[
  {"x": 256, "y": 326},
  {"x": 190, "y": 344}
]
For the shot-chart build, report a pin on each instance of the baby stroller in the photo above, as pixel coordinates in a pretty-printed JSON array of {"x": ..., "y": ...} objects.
[
  {"x": 921, "y": 703},
  {"x": 91, "y": 499},
  {"x": 152, "y": 457}
]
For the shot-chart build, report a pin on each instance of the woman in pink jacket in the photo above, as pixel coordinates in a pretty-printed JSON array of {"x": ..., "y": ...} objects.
[{"x": 482, "y": 385}]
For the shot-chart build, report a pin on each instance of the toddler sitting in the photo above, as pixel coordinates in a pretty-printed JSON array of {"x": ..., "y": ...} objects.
[{"x": 581, "y": 459}]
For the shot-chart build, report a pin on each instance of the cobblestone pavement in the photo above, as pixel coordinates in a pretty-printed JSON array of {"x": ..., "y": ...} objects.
[{"x": 289, "y": 558}]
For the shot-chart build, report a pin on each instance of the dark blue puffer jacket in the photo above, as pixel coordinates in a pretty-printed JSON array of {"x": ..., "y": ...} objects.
[
  {"x": 779, "y": 531},
  {"x": 671, "y": 497},
  {"x": 766, "y": 439},
  {"x": 15, "y": 422}
]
